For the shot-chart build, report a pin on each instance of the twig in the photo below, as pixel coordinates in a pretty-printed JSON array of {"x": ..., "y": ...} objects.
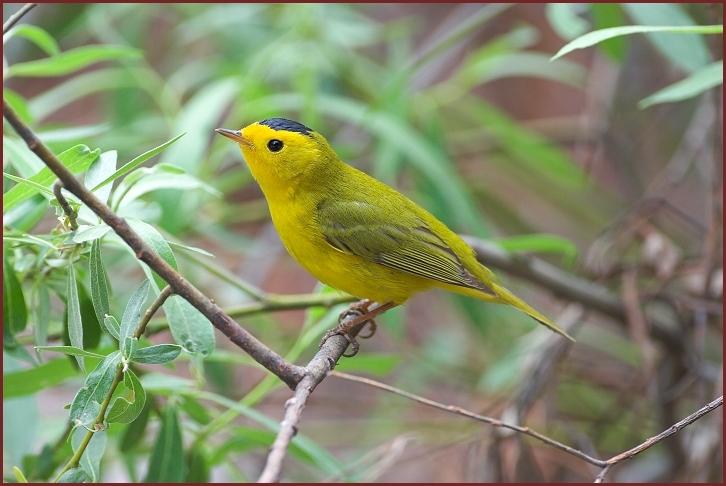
[
  {"x": 604, "y": 464},
  {"x": 601, "y": 475},
  {"x": 67, "y": 209},
  {"x": 630, "y": 453},
  {"x": 163, "y": 295},
  {"x": 287, "y": 372},
  {"x": 469, "y": 414},
  {"x": 14, "y": 18},
  {"x": 315, "y": 371},
  {"x": 117, "y": 379}
]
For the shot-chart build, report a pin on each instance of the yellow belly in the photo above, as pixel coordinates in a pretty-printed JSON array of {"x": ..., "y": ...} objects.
[{"x": 342, "y": 271}]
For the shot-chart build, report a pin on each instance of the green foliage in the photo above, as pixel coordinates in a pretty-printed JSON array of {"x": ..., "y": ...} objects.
[
  {"x": 695, "y": 84},
  {"x": 592, "y": 38},
  {"x": 426, "y": 111},
  {"x": 167, "y": 459},
  {"x": 189, "y": 327},
  {"x": 73, "y": 314},
  {"x": 71, "y": 61},
  {"x": 76, "y": 159}
]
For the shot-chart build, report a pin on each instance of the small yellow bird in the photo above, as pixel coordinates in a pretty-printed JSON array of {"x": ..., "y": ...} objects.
[{"x": 355, "y": 233}]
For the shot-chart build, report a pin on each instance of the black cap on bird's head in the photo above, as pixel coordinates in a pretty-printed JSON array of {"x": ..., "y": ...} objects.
[{"x": 287, "y": 125}]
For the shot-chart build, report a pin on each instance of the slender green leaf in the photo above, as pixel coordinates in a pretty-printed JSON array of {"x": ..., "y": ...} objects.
[
  {"x": 193, "y": 249},
  {"x": 37, "y": 36},
  {"x": 189, "y": 327},
  {"x": 195, "y": 410},
  {"x": 695, "y": 84},
  {"x": 99, "y": 283},
  {"x": 75, "y": 475},
  {"x": 32, "y": 380},
  {"x": 91, "y": 326},
  {"x": 136, "y": 162},
  {"x": 132, "y": 315},
  {"x": 19, "y": 476},
  {"x": 158, "y": 243},
  {"x": 42, "y": 314},
  {"x": 155, "y": 182},
  {"x": 125, "y": 408},
  {"x": 112, "y": 326},
  {"x": 86, "y": 233},
  {"x": 15, "y": 313},
  {"x": 91, "y": 459},
  {"x": 18, "y": 104},
  {"x": 71, "y": 61},
  {"x": 73, "y": 134},
  {"x": 523, "y": 64},
  {"x": 597, "y": 36},
  {"x": 135, "y": 433},
  {"x": 605, "y": 15},
  {"x": 198, "y": 470},
  {"x": 38, "y": 187},
  {"x": 30, "y": 240},
  {"x": 80, "y": 85},
  {"x": 70, "y": 350},
  {"x": 157, "y": 354},
  {"x": 22, "y": 158},
  {"x": 167, "y": 459},
  {"x": 87, "y": 402},
  {"x": 99, "y": 171},
  {"x": 689, "y": 52},
  {"x": 73, "y": 313},
  {"x": 76, "y": 159},
  {"x": 539, "y": 243},
  {"x": 564, "y": 19}
]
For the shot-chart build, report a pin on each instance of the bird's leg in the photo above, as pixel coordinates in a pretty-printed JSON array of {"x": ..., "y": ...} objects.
[
  {"x": 359, "y": 309},
  {"x": 358, "y": 313}
]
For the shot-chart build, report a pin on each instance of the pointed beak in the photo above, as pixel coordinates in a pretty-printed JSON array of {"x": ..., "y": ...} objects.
[{"x": 235, "y": 135}]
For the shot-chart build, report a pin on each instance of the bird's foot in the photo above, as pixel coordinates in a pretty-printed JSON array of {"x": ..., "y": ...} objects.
[
  {"x": 338, "y": 331},
  {"x": 354, "y": 316},
  {"x": 354, "y": 312}
]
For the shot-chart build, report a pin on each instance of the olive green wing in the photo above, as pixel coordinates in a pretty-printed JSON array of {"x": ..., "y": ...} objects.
[{"x": 408, "y": 244}]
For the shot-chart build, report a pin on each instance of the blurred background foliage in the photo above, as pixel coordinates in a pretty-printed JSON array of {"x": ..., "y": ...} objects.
[{"x": 459, "y": 106}]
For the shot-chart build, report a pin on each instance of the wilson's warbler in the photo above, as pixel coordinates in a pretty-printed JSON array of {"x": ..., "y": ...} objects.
[{"x": 355, "y": 233}]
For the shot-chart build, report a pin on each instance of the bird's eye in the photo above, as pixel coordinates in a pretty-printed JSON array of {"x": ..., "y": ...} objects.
[{"x": 274, "y": 145}]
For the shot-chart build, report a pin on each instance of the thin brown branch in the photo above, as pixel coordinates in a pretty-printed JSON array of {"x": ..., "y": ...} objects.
[
  {"x": 315, "y": 371},
  {"x": 65, "y": 206},
  {"x": 630, "y": 453},
  {"x": 472, "y": 415},
  {"x": 287, "y": 372},
  {"x": 165, "y": 293},
  {"x": 14, "y": 18},
  {"x": 601, "y": 475},
  {"x": 604, "y": 464}
]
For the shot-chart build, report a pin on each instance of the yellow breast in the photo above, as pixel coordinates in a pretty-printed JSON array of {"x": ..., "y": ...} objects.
[{"x": 295, "y": 223}]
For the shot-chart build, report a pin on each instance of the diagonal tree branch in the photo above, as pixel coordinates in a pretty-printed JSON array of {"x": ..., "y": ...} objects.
[
  {"x": 316, "y": 370},
  {"x": 287, "y": 372},
  {"x": 605, "y": 464},
  {"x": 14, "y": 18}
]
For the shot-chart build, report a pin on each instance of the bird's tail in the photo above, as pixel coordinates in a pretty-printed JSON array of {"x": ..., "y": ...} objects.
[{"x": 506, "y": 297}]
